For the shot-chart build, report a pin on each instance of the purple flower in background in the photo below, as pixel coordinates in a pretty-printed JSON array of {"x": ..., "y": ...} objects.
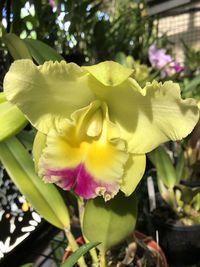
[
  {"x": 160, "y": 60},
  {"x": 158, "y": 57},
  {"x": 52, "y": 3}
]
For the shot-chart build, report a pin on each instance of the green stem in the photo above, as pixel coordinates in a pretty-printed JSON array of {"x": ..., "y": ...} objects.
[
  {"x": 102, "y": 259},
  {"x": 92, "y": 252},
  {"x": 81, "y": 210},
  {"x": 74, "y": 246},
  {"x": 172, "y": 199}
]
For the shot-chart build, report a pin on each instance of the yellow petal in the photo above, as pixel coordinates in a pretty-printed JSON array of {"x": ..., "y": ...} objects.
[
  {"x": 47, "y": 93},
  {"x": 150, "y": 116}
]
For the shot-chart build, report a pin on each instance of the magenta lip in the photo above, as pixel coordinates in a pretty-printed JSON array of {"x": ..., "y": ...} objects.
[{"x": 80, "y": 181}]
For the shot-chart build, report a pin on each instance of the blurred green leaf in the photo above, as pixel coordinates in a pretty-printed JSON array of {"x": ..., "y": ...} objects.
[
  {"x": 41, "y": 52},
  {"x": 191, "y": 85},
  {"x": 12, "y": 119},
  {"x": 164, "y": 167},
  {"x": 197, "y": 202},
  {"x": 187, "y": 193},
  {"x": 180, "y": 166},
  {"x": 73, "y": 258},
  {"x": 45, "y": 198},
  {"x": 121, "y": 58},
  {"x": 26, "y": 138},
  {"x": 27, "y": 265},
  {"x": 109, "y": 222},
  {"x": 16, "y": 46}
]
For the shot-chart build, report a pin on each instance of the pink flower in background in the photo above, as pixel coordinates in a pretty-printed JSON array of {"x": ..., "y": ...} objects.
[
  {"x": 52, "y": 3},
  {"x": 160, "y": 60},
  {"x": 177, "y": 67},
  {"x": 158, "y": 57}
]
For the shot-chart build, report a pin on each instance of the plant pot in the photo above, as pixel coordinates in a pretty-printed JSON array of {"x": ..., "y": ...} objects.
[
  {"x": 149, "y": 242},
  {"x": 180, "y": 243}
]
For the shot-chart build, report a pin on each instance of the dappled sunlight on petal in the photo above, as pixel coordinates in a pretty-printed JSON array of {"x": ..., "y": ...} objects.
[
  {"x": 150, "y": 116},
  {"x": 47, "y": 93}
]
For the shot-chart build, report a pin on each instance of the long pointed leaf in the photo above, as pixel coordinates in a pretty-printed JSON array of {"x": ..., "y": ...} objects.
[
  {"x": 16, "y": 46},
  {"x": 41, "y": 52},
  {"x": 180, "y": 166},
  {"x": 73, "y": 258},
  {"x": 45, "y": 198},
  {"x": 165, "y": 169}
]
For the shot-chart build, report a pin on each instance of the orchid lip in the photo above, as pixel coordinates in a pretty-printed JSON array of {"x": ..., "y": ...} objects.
[{"x": 84, "y": 184}]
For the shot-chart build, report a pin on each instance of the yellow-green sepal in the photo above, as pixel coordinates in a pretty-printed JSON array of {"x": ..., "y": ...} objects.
[
  {"x": 44, "y": 198},
  {"x": 38, "y": 145}
]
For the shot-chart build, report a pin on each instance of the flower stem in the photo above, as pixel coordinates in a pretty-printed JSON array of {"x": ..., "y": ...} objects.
[
  {"x": 81, "y": 208},
  {"x": 102, "y": 259},
  {"x": 74, "y": 246}
]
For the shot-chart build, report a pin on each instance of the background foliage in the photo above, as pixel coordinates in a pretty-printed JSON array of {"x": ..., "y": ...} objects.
[{"x": 81, "y": 31}]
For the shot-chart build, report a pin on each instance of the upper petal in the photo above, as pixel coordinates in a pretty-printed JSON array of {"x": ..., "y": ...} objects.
[
  {"x": 150, "y": 116},
  {"x": 109, "y": 73},
  {"x": 48, "y": 92}
]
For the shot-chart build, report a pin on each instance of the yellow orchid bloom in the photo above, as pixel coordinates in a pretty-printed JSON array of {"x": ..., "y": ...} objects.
[{"x": 98, "y": 121}]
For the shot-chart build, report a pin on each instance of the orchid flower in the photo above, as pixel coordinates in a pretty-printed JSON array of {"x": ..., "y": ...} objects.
[
  {"x": 160, "y": 60},
  {"x": 99, "y": 123}
]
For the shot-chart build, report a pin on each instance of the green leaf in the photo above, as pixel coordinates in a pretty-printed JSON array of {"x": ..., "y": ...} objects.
[
  {"x": 73, "y": 258},
  {"x": 192, "y": 84},
  {"x": 41, "y": 52},
  {"x": 16, "y": 46},
  {"x": 188, "y": 194},
  {"x": 109, "y": 222},
  {"x": 12, "y": 119},
  {"x": 121, "y": 58},
  {"x": 44, "y": 198},
  {"x": 27, "y": 265},
  {"x": 180, "y": 166},
  {"x": 27, "y": 138},
  {"x": 165, "y": 169}
]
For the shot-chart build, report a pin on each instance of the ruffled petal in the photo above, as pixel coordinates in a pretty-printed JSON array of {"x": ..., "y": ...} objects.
[
  {"x": 134, "y": 170},
  {"x": 47, "y": 93},
  {"x": 109, "y": 73},
  {"x": 87, "y": 160},
  {"x": 150, "y": 116}
]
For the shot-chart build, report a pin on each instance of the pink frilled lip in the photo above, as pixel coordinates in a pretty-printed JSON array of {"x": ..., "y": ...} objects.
[{"x": 82, "y": 183}]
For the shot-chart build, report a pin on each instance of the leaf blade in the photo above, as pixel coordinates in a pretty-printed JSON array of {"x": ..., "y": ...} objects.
[
  {"x": 16, "y": 46},
  {"x": 104, "y": 221},
  {"x": 44, "y": 197},
  {"x": 41, "y": 52},
  {"x": 73, "y": 258}
]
